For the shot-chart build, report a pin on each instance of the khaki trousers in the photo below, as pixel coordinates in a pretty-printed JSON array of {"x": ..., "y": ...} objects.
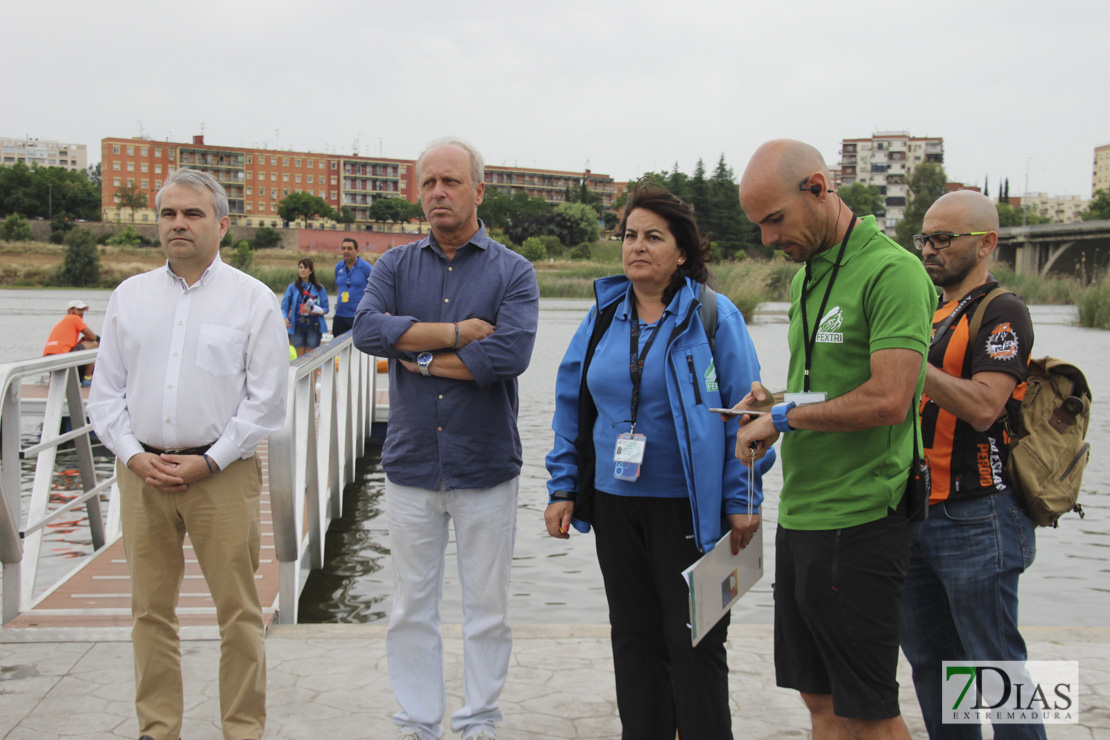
[{"x": 221, "y": 516}]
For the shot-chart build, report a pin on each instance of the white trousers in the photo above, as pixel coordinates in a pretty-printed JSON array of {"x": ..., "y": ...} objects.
[{"x": 485, "y": 531}]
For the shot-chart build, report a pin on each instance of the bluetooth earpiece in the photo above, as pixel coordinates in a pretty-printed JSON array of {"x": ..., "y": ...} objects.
[{"x": 815, "y": 189}]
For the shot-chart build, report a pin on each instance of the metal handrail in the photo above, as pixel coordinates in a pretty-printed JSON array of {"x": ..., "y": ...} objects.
[
  {"x": 312, "y": 457},
  {"x": 20, "y": 546}
]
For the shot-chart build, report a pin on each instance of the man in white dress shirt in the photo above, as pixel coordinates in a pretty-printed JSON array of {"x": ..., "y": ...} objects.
[{"x": 191, "y": 377}]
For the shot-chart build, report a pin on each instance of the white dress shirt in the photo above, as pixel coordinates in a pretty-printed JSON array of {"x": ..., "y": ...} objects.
[{"x": 186, "y": 366}]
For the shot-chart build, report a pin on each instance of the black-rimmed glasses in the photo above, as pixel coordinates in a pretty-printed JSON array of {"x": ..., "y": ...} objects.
[{"x": 940, "y": 240}]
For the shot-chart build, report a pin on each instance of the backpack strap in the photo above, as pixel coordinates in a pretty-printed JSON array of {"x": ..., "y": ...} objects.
[
  {"x": 707, "y": 311},
  {"x": 976, "y": 322}
]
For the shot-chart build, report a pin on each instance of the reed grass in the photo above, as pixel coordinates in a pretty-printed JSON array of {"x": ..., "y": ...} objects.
[
  {"x": 1037, "y": 290},
  {"x": 1094, "y": 304}
]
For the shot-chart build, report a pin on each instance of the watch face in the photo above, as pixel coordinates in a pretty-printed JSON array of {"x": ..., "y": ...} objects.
[{"x": 424, "y": 358}]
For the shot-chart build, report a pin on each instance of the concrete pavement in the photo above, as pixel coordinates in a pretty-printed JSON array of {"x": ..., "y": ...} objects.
[{"x": 331, "y": 681}]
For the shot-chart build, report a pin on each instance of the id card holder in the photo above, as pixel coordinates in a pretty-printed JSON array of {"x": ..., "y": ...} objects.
[
  {"x": 628, "y": 456},
  {"x": 344, "y": 297},
  {"x": 801, "y": 399}
]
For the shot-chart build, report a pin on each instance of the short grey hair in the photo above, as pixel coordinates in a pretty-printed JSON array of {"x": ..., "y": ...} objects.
[
  {"x": 197, "y": 180},
  {"x": 477, "y": 164}
]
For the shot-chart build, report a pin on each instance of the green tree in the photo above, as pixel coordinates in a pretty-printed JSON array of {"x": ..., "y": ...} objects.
[
  {"x": 578, "y": 222},
  {"x": 726, "y": 222},
  {"x": 389, "y": 209},
  {"x": 132, "y": 197},
  {"x": 1099, "y": 207},
  {"x": 864, "y": 200},
  {"x": 298, "y": 205},
  {"x": 346, "y": 215},
  {"x": 81, "y": 265},
  {"x": 125, "y": 238},
  {"x": 496, "y": 209},
  {"x": 40, "y": 192},
  {"x": 533, "y": 249},
  {"x": 16, "y": 229},
  {"x": 243, "y": 257},
  {"x": 924, "y": 186},
  {"x": 266, "y": 238}
]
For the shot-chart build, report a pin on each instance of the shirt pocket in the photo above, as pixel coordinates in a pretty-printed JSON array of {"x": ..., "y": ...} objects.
[{"x": 220, "y": 349}]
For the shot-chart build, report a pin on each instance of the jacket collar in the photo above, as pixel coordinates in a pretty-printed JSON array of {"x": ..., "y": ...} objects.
[{"x": 615, "y": 287}]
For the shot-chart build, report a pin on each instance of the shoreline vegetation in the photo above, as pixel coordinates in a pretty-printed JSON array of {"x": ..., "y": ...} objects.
[{"x": 748, "y": 282}]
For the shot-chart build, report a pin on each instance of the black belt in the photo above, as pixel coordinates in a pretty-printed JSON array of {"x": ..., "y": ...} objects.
[{"x": 181, "y": 451}]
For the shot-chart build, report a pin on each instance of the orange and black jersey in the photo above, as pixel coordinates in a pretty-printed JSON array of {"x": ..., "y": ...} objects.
[{"x": 965, "y": 463}]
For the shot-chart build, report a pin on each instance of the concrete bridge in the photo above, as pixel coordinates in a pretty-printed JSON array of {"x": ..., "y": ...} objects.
[{"x": 1080, "y": 249}]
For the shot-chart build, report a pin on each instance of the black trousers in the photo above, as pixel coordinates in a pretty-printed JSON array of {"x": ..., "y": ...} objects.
[
  {"x": 341, "y": 324},
  {"x": 663, "y": 683}
]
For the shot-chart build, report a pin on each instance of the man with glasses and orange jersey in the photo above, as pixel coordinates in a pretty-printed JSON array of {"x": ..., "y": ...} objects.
[{"x": 960, "y": 601}]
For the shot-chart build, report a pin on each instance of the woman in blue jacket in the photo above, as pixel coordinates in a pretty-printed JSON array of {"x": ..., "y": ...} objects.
[
  {"x": 640, "y": 369},
  {"x": 304, "y": 306}
]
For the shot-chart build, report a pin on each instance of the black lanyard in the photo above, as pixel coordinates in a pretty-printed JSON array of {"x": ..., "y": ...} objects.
[
  {"x": 348, "y": 274},
  {"x": 636, "y": 364},
  {"x": 809, "y": 340}
]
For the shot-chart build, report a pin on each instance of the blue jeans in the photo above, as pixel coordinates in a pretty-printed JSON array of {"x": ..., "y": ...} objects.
[{"x": 961, "y": 598}]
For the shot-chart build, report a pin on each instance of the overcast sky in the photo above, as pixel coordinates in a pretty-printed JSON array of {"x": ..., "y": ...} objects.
[{"x": 620, "y": 86}]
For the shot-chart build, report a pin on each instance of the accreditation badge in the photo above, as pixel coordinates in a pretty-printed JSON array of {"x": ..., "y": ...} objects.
[
  {"x": 344, "y": 297},
  {"x": 628, "y": 456}
]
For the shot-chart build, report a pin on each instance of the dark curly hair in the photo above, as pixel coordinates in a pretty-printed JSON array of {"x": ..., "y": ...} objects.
[{"x": 679, "y": 216}]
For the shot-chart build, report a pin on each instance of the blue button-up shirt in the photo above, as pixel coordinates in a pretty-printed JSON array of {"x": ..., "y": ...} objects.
[
  {"x": 461, "y": 433},
  {"x": 350, "y": 283}
]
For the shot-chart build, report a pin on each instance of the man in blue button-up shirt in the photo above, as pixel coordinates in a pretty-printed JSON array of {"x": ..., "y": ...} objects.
[{"x": 457, "y": 314}]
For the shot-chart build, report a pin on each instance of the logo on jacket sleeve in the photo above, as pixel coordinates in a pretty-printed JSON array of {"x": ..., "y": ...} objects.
[
  {"x": 829, "y": 329},
  {"x": 711, "y": 377},
  {"x": 1002, "y": 344}
]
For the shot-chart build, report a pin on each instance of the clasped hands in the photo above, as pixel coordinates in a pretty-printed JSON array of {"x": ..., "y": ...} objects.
[{"x": 170, "y": 473}]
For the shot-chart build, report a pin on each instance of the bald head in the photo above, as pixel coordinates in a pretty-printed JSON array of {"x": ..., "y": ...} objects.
[
  {"x": 972, "y": 211},
  {"x": 782, "y": 162}
]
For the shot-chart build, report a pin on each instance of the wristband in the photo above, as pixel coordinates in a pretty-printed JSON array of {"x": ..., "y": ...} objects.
[
  {"x": 778, "y": 416},
  {"x": 209, "y": 464},
  {"x": 458, "y": 337}
]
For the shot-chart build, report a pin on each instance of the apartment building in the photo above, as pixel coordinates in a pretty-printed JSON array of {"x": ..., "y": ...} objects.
[
  {"x": 257, "y": 180},
  {"x": 1100, "y": 178},
  {"x": 1062, "y": 209},
  {"x": 886, "y": 160},
  {"x": 43, "y": 152},
  {"x": 551, "y": 185}
]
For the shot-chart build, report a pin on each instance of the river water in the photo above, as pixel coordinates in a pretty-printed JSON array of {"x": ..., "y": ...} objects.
[{"x": 558, "y": 581}]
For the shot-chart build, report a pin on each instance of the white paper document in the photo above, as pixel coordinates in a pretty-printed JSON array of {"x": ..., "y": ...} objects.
[{"x": 718, "y": 579}]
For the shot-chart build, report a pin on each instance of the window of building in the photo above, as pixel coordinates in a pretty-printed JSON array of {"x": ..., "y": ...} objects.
[
  {"x": 248, "y": 191},
  {"x": 310, "y": 179},
  {"x": 273, "y": 192},
  {"x": 143, "y": 166},
  {"x": 285, "y": 162},
  {"x": 171, "y": 155},
  {"x": 143, "y": 151},
  {"x": 249, "y": 159},
  {"x": 297, "y": 162},
  {"x": 130, "y": 183},
  {"x": 273, "y": 161},
  {"x": 158, "y": 169},
  {"x": 297, "y": 177},
  {"x": 157, "y": 151},
  {"x": 273, "y": 177},
  {"x": 321, "y": 164},
  {"x": 334, "y": 195},
  {"x": 285, "y": 193},
  {"x": 115, "y": 166},
  {"x": 250, "y": 206},
  {"x": 115, "y": 150},
  {"x": 335, "y": 165},
  {"x": 157, "y": 184},
  {"x": 131, "y": 150},
  {"x": 130, "y": 166},
  {"x": 115, "y": 181},
  {"x": 146, "y": 184},
  {"x": 321, "y": 193},
  {"x": 333, "y": 178},
  {"x": 285, "y": 177}
]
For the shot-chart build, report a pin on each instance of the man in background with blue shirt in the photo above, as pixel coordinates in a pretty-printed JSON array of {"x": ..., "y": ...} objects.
[
  {"x": 457, "y": 314},
  {"x": 351, "y": 275}
]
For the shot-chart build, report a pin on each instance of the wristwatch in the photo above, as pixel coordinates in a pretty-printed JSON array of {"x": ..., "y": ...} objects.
[
  {"x": 778, "y": 416},
  {"x": 424, "y": 361}
]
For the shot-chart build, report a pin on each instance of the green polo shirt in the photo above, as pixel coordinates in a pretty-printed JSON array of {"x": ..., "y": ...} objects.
[{"x": 882, "y": 298}]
